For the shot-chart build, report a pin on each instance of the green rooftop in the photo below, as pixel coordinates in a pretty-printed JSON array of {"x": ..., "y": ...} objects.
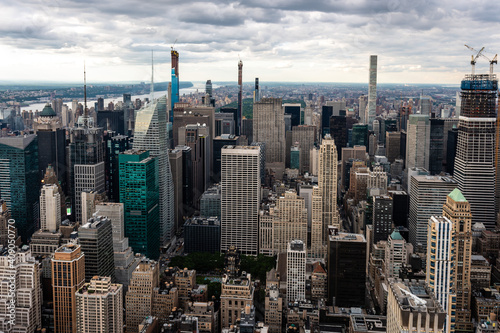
[
  {"x": 48, "y": 111},
  {"x": 396, "y": 235},
  {"x": 457, "y": 196}
]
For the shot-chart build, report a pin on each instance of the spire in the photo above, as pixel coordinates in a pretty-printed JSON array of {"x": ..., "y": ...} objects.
[{"x": 85, "y": 110}]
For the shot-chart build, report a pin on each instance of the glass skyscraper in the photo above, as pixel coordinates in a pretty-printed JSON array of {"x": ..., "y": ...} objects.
[
  {"x": 151, "y": 134},
  {"x": 139, "y": 193},
  {"x": 19, "y": 181}
]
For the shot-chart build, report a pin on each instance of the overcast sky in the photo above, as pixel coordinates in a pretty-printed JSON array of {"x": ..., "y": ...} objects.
[{"x": 417, "y": 41}]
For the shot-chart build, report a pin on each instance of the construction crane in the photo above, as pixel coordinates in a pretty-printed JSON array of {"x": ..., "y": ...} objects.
[
  {"x": 172, "y": 47},
  {"x": 474, "y": 58},
  {"x": 492, "y": 62}
]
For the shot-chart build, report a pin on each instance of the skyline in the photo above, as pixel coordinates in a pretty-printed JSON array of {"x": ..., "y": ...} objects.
[{"x": 282, "y": 41}]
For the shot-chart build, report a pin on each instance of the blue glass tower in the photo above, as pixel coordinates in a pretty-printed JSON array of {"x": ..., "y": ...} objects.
[{"x": 175, "y": 83}]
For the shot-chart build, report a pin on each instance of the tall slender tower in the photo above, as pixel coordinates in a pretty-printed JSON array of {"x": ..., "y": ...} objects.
[
  {"x": 256, "y": 93},
  {"x": 327, "y": 182},
  {"x": 175, "y": 82},
  {"x": 239, "y": 114},
  {"x": 474, "y": 160},
  {"x": 440, "y": 265},
  {"x": 371, "y": 110},
  {"x": 458, "y": 210},
  {"x": 68, "y": 276},
  {"x": 151, "y": 134}
]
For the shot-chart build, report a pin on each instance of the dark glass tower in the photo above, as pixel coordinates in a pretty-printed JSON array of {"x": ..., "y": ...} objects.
[{"x": 475, "y": 157}]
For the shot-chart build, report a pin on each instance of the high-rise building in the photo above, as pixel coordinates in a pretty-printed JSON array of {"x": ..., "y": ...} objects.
[
  {"x": 175, "y": 159},
  {"x": 363, "y": 102},
  {"x": 139, "y": 298},
  {"x": 236, "y": 294},
  {"x": 139, "y": 193},
  {"x": 417, "y": 142},
  {"x": 99, "y": 306},
  {"x": 96, "y": 240},
  {"x": 21, "y": 277},
  {"x": 346, "y": 269},
  {"x": 210, "y": 202},
  {"x": 239, "y": 114},
  {"x": 436, "y": 145},
  {"x": 115, "y": 144},
  {"x": 273, "y": 302},
  {"x": 296, "y": 271},
  {"x": 475, "y": 157},
  {"x": 50, "y": 208},
  {"x": 382, "y": 217},
  {"x": 318, "y": 248},
  {"x": 327, "y": 182},
  {"x": 305, "y": 135},
  {"x": 151, "y": 134},
  {"x": 426, "y": 105},
  {"x": 19, "y": 181},
  {"x": 86, "y": 161},
  {"x": 174, "y": 98},
  {"x": 458, "y": 210},
  {"x": 89, "y": 183},
  {"x": 393, "y": 145},
  {"x": 413, "y": 307},
  {"x": 124, "y": 260},
  {"x": 338, "y": 131},
  {"x": 396, "y": 254},
  {"x": 256, "y": 93},
  {"x": 240, "y": 198},
  {"x": 52, "y": 137},
  {"x": 294, "y": 110},
  {"x": 371, "y": 110},
  {"x": 269, "y": 127},
  {"x": 68, "y": 276},
  {"x": 427, "y": 196},
  {"x": 359, "y": 136},
  {"x": 202, "y": 234},
  {"x": 440, "y": 265}
]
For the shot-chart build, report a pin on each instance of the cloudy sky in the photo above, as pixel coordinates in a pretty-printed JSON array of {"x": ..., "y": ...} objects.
[{"x": 417, "y": 41}]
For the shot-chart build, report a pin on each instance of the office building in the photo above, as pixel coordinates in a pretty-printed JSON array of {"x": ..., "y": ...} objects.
[
  {"x": 50, "y": 208},
  {"x": 236, "y": 294},
  {"x": 393, "y": 145},
  {"x": 382, "y": 217},
  {"x": 296, "y": 271},
  {"x": 89, "y": 182},
  {"x": 295, "y": 155},
  {"x": 247, "y": 129},
  {"x": 327, "y": 182},
  {"x": 451, "y": 150},
  {"x": 269, "y": 127},
  {"x": 371, "y": 109},
  {"x": 273, "y": 302},
  {"x": 96, "y": 241},
  {"x": 175, "y": 159},
  {"x": 139, "y": 193},
  {"x": 426, "y": 105},
  {"x": 165, "y": 299},
  {"x": 240, "y": 198},
  {"x": 440, "y": 272},
  {"x": 397, "y": 252},
  {"x": 319, "y": 282},
  {"x": 362, "y": 103},
  {"x": 436, "y": 145},
  {"x": 350, "y": 154},
  {"x": 294, "y": 109},
  {"x": 359, "y": 136},
  {"x": 346, "y": 269},
  {"x": 115, "y": 144},
  {"x": 113, "y": 120},
  {"x": 68, "y": 276},
  {"x": 202, "y": 234},
  {"x": 99, "y": 306},
  {"x": 26, "y": 309},
  {"x": 475, "y": 157},
  {"x": 139, "y": 298},
  {"x": 338, "y": 131},
  {"x": 19, "y": 181},
  {"x": 89, "y": 201},
  {"x": 151, "y": 134},
  {"x": 218, "y": 143},
  {"x": 427, "y": 196},
  {"x": 413, "y": 307},
  {"x": 210, "y": 202},
  {"x": 187, "y": 181},
  {"x": 458, "y": 210},
  {"x": 52, "y": 137},
  {"x": 400, "y": 208},
  {"x": 185, "y": 281},
  {"x": 86, "y": 154},
  {"x": 305, "y": 135},
  {"x": 417, "y": 142}
]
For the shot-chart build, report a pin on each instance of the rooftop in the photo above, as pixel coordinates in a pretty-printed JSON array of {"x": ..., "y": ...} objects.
[
  {"x": 347, "y": 237},
  {"x": 457, "y": 196}
]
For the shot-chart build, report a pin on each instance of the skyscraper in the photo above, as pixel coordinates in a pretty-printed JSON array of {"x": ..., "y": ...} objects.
[
  {"x": 139, "y": 299},
  {"x": 327, "y": 182},
  {"x": 50, "y": 208},
  {"x": 440, "y": 265},
  {"x": 96, "y": 240},
  {"x": 139, "y": 193},
  {"x": 27, "y": 302},
  {"x": 240, "y": 198},
  {"x": 296, "y": 271},
  {"x": 151, "y": 134},
  {"x": 475, "y": 159},
  {"x": 269, "y": 127},
  {"x": 382, "y": 217},
  {"x": 371, "y": 110},
  {"x": 458, "y": 210},
  {"x": 68, "y": 276},
  {"x": 99, "y": 306},
  {"x": 175, "y": 82},
  {"x": 19, "y": 180},
  {"x": 256, "y": 93},
  {"x": 52, "y": 137},
  {"x": 417, "y": 142},
  {"x": 239, "y": 114}
]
